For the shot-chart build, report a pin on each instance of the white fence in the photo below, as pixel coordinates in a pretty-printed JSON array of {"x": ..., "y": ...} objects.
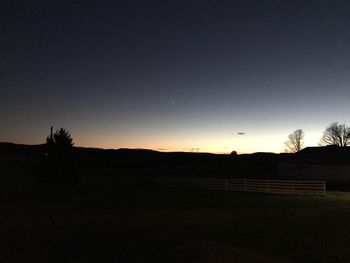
[{"x": 247, "y": 185}]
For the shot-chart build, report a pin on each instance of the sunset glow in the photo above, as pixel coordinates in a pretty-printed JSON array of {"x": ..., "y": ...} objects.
[{"x": 190, "y": 80}]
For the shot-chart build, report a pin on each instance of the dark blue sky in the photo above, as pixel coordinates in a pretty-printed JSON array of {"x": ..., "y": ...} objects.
[{"x": 174, "y": 75}]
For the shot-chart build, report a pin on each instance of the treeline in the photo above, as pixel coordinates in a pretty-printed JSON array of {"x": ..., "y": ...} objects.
[{"x": 335, "y": 135}]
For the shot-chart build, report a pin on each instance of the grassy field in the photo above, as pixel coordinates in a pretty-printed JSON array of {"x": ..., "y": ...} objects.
[{"x": 126, "y": 224}]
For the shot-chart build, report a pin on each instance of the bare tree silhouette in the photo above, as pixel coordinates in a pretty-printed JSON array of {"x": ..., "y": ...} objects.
[
  {"x": 295, "y": 141},
  {"x": 336, "y": 134}
]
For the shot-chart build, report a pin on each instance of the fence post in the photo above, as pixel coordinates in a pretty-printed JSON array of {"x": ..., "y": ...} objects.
[{"x": 271, "y": 186}]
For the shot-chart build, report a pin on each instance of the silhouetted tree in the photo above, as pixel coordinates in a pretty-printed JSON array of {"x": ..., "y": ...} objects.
[
  {"x": 336, "y": 134},
  {"x": 295, "y": 141},
  {"x": 60, "y": 161},
  {"x": 61, "y": 139}
]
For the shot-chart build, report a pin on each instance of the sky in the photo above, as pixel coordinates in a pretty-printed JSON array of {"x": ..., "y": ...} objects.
[{"x": 174, "y": 75}]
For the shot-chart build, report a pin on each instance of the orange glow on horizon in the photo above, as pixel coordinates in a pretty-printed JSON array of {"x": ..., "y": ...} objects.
[
  {"x": 210, "y": 143},
  {"x": 241, "y": 144}
]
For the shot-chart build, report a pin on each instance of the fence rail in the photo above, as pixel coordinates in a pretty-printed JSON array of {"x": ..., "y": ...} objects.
[{"x": 247, "y": 185}]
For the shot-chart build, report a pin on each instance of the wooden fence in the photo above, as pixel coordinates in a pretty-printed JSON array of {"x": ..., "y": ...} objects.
[{"x": 247, "y": 185}]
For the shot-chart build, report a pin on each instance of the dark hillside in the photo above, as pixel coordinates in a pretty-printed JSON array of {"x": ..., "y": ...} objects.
[
  {"x": 92, "y": 161},
  {"x": 33, "y": 160}
]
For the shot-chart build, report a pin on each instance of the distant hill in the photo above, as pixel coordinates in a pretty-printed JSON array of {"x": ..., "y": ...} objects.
[
  {"x": 143, "y": 162},
  {"x": 319, "y": 155},
  {"x": 151, "y": 162},
  {"x": 13, "y": 148}
]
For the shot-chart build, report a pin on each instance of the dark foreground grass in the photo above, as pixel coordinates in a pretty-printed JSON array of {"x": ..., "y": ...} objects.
[
  {"x": 316, "y": 236},
  {"x": 126, "y": 224}
]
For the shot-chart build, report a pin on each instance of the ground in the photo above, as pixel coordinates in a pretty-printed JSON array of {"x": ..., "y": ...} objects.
[{"x": 148, "y": 224}]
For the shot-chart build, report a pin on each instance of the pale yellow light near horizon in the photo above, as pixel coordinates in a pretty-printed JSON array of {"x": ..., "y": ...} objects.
[{"x": 212, "y": 144}]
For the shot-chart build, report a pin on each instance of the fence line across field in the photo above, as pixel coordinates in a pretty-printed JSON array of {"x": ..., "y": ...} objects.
[{"x": 248, "y": 185}]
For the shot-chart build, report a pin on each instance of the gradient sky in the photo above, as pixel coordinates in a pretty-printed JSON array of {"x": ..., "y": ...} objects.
[{"x": 174, "y": 75}]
